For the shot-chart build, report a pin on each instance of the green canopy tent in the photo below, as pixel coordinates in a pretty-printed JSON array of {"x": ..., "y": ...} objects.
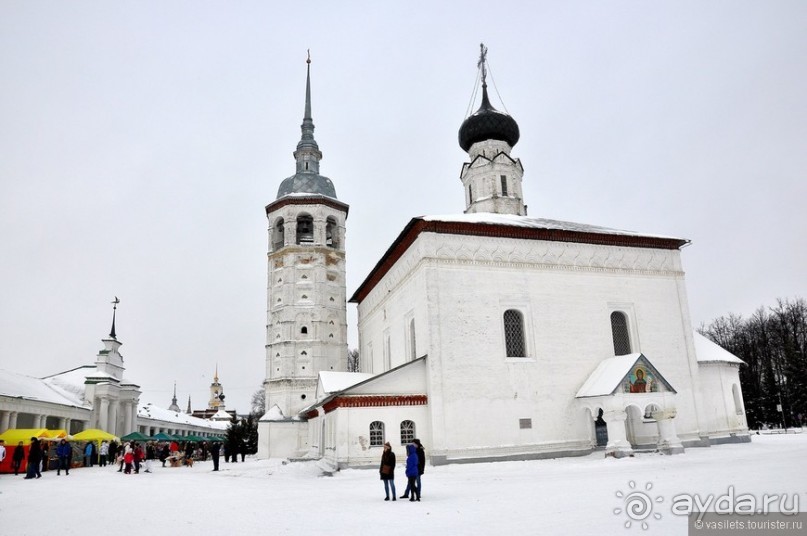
[
  {"x": 135, "y": 436},
  {"x": 163, "y": 437}
]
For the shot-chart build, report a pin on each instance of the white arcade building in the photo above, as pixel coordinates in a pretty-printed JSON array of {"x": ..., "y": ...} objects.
[{"x": 489, "y": 335}]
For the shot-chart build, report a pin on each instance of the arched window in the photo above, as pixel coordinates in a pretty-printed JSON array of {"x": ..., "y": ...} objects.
[
  {"x": 514, "y": 333},
  {"x": 279, "y": 239},
  {"x": 331, "y": 233},
  {"x": 407, "y": 432},
  {"x": 412, "y": 340},
  {"x": 305, "y": 229},
  {"x": 738, "y": 399},
  {"x": 304, "y": 330},
  {"x": 504, "y": 185},
  {"x": 619, "y": 331},
  {"x": 376, "y": 434}
]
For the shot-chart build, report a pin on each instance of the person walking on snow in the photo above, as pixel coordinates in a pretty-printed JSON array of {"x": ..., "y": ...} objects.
[{"x": 65, "y": 453}]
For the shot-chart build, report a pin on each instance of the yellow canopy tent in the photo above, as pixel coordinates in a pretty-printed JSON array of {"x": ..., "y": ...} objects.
[
  {"x": 15, "y": 435},
  {"x": 94, "y": 434}
]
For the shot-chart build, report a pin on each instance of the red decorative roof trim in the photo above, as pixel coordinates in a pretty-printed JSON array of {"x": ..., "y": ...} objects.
[{"x": 373, "y": 401}]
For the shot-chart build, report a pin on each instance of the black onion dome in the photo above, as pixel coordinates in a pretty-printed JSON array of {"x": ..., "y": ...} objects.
[{"x": 488, "y": 123}]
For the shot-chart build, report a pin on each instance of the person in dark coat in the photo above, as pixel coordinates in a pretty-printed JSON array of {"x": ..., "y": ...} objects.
[
  {"x": 65, "y": 453},
  {"x": 387, "y": 470},
  {"x": 421, "y": 464},
  {"x": 412, "y": 471},
  {"x": 34, "y": 459},
  {"x": 45, "y": 446},
  {"x": 421, "y": 468},
  {"x": 17, "y": 458},
  {"x": 164, "y": 453},
  {"x": 215, "y": 448}
]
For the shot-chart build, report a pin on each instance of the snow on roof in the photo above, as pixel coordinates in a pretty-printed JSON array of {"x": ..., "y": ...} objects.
[
  {"x": 709, "y": 352},
  {"x": 221, "y": 415},
  {"x": 71, "y": 380},
  {"x": 537, "y": 223},
  {"x": 607, "y": 376},
  {"x": 17, "y": 385},
  {"x": 339, "y": 381},
  {"x": 276, "y": 414},
  {"x": 150, "y": 411}
]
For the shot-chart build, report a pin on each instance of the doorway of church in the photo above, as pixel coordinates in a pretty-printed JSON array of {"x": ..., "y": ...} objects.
[{"x": 600, "y": 430}]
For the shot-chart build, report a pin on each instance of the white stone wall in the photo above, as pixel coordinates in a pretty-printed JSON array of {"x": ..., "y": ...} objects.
[
  {"x": 459, "y": 287},
  {"x": 306, "y": 329},
  {"x": 347, "y": 433},
  {"x": 723, "y": 416},
  {"x": 489, "y": 161}
]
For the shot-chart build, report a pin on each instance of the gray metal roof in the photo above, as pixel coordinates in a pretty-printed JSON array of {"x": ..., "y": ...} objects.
[{"x": 309, "y": 183}]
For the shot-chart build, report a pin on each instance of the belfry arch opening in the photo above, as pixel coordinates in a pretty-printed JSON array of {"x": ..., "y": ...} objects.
[
  {"x": 279, "y": 237},
  {"x": 305, "y": 229},
  {"x": 331, "y": 231}
]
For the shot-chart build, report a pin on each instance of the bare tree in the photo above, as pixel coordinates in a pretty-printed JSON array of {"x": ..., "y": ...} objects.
[
  {"x": 258, "y": 402},
  {"x": 353, "y": 360},
  {"x": 773, "y": 344}
]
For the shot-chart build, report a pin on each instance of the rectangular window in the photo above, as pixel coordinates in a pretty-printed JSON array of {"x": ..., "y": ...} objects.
[
  {"x": 504, "y": 185},
  {"x": 525, "y": 424},
  {"x": 470, "y": 195}
]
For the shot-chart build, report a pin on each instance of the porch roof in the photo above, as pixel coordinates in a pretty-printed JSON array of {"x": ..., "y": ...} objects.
[{"x": 611, "y": 372}]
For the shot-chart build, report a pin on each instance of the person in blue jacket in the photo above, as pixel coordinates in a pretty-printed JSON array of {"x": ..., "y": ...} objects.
[
  {"x": 65, "y": 454},
  {"x": 412, "y": 471},
  {"x": 88, "y": 454}
]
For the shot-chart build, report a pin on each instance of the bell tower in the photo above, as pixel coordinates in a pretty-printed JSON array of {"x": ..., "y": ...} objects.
[{"x": 306, "y": 311}]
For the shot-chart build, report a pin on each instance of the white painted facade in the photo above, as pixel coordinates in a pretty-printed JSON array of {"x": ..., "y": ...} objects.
[{"x": 483, "y": 329}]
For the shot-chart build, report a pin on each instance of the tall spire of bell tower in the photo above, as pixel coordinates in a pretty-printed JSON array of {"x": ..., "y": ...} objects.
[
  {"x": 307, "y": 154},
  {"x": 306, "y": 179}
]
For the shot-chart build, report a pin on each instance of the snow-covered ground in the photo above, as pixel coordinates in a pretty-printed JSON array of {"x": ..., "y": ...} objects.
[{"x": 562, "y": 496}]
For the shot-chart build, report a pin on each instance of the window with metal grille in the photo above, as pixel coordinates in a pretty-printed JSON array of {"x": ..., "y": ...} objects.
[
  {"x": 525, "y": 424},
  {"x": 619, "y": 330},
  {"x": 407, "y": 432},
  {"x": 514, "y": 333},
  {"x": 504, "y": 185},
  {"x": 376, "y": 434}
]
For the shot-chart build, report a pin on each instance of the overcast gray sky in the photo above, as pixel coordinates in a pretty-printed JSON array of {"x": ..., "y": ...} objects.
[{"x": 140, "y": 142}]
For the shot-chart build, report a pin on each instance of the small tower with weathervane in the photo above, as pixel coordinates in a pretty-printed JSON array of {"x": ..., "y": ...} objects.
[
  {"x": 492, "y": 177},
  {"x": 216, "y": 393}
]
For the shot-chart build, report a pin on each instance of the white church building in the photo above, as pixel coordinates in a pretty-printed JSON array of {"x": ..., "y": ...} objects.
[{"x": 489, "y": 335}]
